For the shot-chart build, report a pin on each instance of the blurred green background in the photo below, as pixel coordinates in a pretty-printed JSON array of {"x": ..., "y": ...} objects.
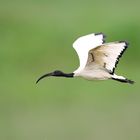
[{"x": 36, "y": 37}]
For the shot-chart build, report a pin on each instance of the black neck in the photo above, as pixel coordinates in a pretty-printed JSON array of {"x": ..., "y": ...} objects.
[
  {"x": 57, "y": 73},
  {"x": 67, "y": 75}
]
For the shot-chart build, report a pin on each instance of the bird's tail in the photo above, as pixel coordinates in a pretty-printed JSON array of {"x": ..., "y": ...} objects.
[{"x": 122, "y": 79}]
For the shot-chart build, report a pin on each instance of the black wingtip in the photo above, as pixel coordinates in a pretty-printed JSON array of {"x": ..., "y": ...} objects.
[
  {"x": 100, "y": 33},
  {"x": 126, "y": 43},
  {"x": 124, "y": 80},
  {"x": 120, "y": 55},
  {"x": 104, "y": 36},
  {"x": 130, "y": 81}
]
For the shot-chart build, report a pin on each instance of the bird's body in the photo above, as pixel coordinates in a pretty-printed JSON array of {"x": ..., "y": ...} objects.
[
  {"x": 97, "y": 59},
  {"x": 96, "y": 73}
]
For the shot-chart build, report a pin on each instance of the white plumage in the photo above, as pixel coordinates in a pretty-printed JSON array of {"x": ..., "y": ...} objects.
[
  {"x": 97, "y": 59},
  {"x": 85, "y": 43}
]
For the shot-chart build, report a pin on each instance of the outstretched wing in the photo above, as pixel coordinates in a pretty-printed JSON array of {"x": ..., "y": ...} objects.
[
  {"x": 107, "y": 55},
  {"x": 85, "y": 43}
]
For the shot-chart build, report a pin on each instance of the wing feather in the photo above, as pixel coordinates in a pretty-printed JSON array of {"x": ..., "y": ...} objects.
[
  {"x": 85, "y": 43},
  {"x": 107, "y": 55}
]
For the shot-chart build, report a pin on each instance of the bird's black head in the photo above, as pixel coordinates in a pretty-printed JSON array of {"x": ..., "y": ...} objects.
[{"x": 56, "y": 73}]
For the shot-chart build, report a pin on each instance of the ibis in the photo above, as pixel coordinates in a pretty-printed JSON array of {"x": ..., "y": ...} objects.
[{"x": 98, "y": 59}]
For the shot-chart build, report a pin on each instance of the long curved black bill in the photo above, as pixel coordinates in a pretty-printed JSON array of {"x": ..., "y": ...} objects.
[{"x": 43, "y": 76}]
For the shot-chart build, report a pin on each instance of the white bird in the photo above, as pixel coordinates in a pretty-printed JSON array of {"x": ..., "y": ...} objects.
[{"x": 98, "y": 59}]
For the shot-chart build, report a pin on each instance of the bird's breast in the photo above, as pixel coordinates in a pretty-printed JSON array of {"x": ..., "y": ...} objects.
[{"x": 96, "y": 74}]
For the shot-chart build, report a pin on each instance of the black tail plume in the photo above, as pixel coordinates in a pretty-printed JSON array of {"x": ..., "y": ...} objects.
[{"x": 124, "y": 80}]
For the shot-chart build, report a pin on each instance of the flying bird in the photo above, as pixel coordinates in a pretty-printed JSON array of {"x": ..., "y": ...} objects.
[{"x": 98, "y": 59}]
